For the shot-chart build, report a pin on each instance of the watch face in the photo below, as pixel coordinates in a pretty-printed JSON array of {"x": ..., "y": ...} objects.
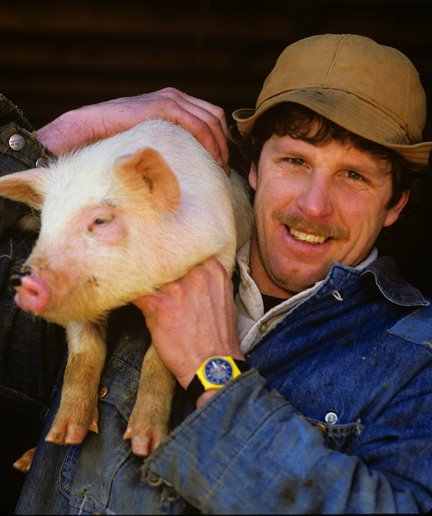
[{"x": 218, "y": 371}]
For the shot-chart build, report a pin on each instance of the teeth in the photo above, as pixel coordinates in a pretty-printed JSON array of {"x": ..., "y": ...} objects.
[{"x": 306, "y": 237}]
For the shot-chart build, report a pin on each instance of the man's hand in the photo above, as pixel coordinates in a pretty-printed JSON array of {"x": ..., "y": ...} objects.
[
  {"x": 192, "y": 319},
  {"x": 91, "y": 123}
]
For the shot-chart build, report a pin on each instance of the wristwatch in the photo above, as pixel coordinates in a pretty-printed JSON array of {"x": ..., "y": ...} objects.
[{"x": 214, "y": 373}]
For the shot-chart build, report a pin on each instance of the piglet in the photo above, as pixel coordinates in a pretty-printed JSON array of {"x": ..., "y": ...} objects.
[{"x": 119, "y": 218}]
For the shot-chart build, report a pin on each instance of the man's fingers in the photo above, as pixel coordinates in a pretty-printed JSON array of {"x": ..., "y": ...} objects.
[
  {"x": 204, "y": 120},
  {"x": 215, "y": 111},
  {"x": 90, "y": 123}
]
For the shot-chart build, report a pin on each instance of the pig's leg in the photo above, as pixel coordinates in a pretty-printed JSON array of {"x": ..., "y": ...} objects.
[
  {"x": 148, "y": 424},
  {"x": 78, "y": 410}
]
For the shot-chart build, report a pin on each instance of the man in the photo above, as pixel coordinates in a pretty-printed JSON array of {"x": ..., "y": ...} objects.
[{"x": 311, "y": 392}]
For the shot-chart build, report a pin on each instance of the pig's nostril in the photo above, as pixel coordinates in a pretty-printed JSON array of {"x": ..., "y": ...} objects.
[
  {"x": 15, "y": 280},
  {"x": 34, "y": 292}
]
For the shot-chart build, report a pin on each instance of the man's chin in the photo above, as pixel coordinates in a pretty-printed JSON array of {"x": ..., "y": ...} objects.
[{"x": 295, "y": 281}]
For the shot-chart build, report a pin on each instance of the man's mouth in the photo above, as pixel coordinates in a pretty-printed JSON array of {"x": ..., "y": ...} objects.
[
  {"x": 306, "y": 237},
  {"x": 310, "y": 232}
]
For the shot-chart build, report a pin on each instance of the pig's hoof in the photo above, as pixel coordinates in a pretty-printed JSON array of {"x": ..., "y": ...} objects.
[
  {"x": 145, "y": 440},
  {"x": 25, "y": 461},
  {"x": 69, "y": 432}
]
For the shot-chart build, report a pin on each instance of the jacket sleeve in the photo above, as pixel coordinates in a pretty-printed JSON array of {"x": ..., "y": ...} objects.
[
  {"x": 30, "y": 349},
  {"x": 248, "y": 451},
  {"x": 19, "y": 150}
]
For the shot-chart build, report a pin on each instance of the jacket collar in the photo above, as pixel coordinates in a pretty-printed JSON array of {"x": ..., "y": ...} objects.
[
  {"x": 392, "y": 286},
  {"x": 383, "y": 270},
  {"x": 386, "y": 277}
]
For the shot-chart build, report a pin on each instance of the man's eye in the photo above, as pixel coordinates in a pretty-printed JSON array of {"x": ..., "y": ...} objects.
[
  {"x": 295, "y": 161},
  {"x": 352, "y": 174}
]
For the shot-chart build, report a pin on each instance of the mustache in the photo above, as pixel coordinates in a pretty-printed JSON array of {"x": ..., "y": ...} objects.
[{"x": 301, "y": 224}]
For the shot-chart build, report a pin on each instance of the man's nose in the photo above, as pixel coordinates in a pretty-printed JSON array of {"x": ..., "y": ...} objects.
[{"x": 315, "y": 200}]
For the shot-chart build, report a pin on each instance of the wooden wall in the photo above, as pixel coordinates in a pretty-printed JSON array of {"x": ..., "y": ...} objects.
[{"x": 55, "y": 55}]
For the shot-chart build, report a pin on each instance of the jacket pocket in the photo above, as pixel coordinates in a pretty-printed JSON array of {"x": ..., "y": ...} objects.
[{"x": 337, "y": 436}]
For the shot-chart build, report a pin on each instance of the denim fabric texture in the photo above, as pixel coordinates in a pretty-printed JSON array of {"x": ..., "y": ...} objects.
[
  {"x": 30, "y": 349},
  {"x": 334, "y": 417},
  {"x": 27, "y": 344}
]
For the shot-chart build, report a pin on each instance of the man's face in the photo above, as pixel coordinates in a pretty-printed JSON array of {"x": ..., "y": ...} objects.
[{"x": 315, "y": 205}]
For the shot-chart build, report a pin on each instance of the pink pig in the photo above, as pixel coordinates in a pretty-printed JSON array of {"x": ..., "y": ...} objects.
[{"x": 118, "y": 219}]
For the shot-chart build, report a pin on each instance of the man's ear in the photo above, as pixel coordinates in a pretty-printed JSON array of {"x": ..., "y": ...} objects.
[
  {"x": 253, "y": 175},
  {"x": 394, "y": 212}
]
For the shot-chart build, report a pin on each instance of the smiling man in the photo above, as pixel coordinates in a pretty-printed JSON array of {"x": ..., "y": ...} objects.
[{"x": 310, "y": 389}]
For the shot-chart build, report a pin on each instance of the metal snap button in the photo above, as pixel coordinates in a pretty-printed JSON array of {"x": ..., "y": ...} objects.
[
  {"x": 103, "y": 391},
  {"x": 154, "y": 480},
  {"x": 17, "y": 142},
  {"x": 331, "y": 418},
  {"x": 41, "y": 162}
]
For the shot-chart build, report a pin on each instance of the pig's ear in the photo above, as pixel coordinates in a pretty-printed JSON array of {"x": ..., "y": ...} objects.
[
  {"x": 26, "y": 187},
  {"x": 146, "y": 169}
]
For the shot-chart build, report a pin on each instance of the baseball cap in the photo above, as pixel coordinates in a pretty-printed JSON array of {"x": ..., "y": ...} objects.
[{"x": 372, "y": 90}]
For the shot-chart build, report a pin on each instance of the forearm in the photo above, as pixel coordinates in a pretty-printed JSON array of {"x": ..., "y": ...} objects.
[
  {"x": 248, "y": 451},
  {"x": 88, "y": 124}
]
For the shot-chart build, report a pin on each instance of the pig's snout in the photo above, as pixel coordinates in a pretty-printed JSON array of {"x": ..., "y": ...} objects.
[{"x": 32, "y": 294}]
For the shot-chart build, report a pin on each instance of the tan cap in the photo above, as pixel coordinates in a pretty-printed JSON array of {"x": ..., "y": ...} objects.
[{"x": 372, "y": 90}]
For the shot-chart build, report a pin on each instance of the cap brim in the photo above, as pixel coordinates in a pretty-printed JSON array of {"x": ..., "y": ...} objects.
[{"x": 347, "y": 110}]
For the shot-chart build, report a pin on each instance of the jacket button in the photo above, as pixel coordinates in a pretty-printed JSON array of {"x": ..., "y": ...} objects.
[
  {"x": 331, "y": 418},
  {"x": 154, "y": 480},
  {"x": 41, "y": 162},
  {"x": 16, "y": 142},
  {"x": 103, "y": 391}
]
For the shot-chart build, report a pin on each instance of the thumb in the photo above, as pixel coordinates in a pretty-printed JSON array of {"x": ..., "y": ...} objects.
[{"x": 147, "y": 304}]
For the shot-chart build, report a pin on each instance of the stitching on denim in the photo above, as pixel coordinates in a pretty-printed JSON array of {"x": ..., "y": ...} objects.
[
  {"x": 83, "y": 502},
  {"x": 341, "y": 430}
]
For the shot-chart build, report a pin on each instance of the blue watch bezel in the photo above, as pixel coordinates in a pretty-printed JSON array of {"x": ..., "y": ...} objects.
[{"x": 211, "y": 376}]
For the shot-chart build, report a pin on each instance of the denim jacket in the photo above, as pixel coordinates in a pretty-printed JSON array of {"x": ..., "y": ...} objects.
[
  {"x": 335, "y": 416},
  {"x": 30, "y": 349}
]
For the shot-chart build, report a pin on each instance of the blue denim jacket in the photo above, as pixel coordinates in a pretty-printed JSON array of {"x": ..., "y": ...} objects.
[{"x": 334, "y": 417}]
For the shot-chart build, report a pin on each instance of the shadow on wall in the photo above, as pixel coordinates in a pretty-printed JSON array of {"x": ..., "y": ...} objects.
[{"x": 409, "y": 240}]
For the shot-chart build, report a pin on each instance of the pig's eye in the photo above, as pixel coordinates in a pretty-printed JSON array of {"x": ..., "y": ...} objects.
[{"x": 99, "y": 221}]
